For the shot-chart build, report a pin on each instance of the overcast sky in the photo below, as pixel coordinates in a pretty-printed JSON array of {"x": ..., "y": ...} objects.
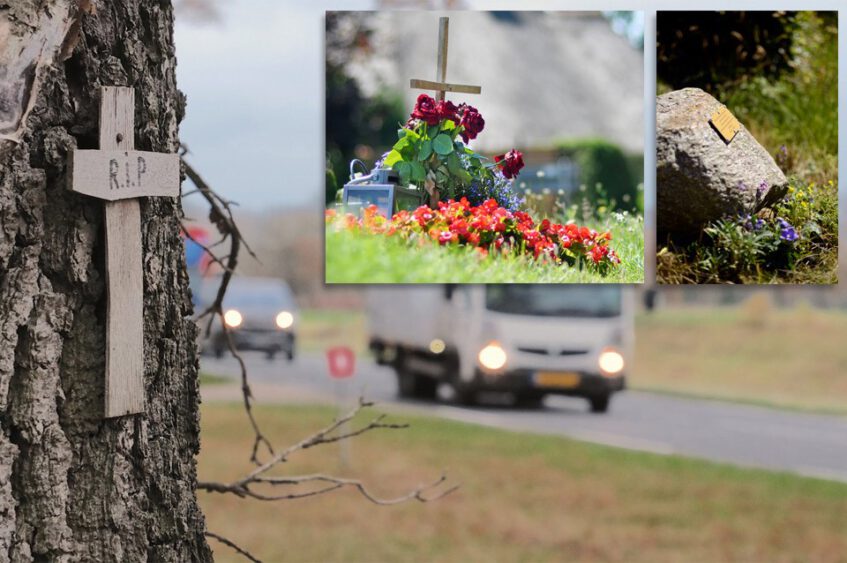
[{"x": 254, "y": 82}]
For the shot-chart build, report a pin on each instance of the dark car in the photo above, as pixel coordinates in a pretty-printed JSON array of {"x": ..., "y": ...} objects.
[{"x": 261, "y": 315}]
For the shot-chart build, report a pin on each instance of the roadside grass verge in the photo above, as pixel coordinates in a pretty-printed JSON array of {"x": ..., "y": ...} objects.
[
  {"x": 362, "y": 258},
  {"x": 792, "y": 358},
  {"x": 523, "y": 497}
]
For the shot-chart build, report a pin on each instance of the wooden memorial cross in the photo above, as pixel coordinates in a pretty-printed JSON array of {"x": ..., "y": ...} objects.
[
  {"x": 120, "y": 175},
  {"x": 441, "y": 86}
]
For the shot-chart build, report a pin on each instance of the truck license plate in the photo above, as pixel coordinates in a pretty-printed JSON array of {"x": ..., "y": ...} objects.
[{"x": 565, "y": 380}]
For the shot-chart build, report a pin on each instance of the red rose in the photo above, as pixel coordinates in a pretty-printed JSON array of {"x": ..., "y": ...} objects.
[
  {"x": 426, "y": 110},
  {"x": 472, "y": 122},
  {"x": 511, "y": 163},
  {"x": 447, "y": 110}
]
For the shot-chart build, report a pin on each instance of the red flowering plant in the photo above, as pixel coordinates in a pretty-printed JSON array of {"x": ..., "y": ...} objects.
[
  {"x": 490, "y": 228},
  {"x": 432, "y": 154}
]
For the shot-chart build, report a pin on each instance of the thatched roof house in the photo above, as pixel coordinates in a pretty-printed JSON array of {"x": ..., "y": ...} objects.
[{"x": 545, "y": 76}]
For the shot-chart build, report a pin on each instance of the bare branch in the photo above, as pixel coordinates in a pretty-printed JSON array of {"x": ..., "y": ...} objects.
[
  {"x": 206, "y": 249},
  {"x": 221, "y": 215},
  {"x": 420, "y": 493},
  {"x": 327, "y": 435},
  {"x": 229, "y": 543}
]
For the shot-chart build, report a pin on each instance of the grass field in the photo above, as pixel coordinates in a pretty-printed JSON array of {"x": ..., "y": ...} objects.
[
  {"x": 359, "y": 258},
  {"x": 522, "y": 498},
  {"x": 791, "y": 358}
]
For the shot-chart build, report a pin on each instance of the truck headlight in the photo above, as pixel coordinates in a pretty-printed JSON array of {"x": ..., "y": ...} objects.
[
  {"x": 284, "y": 320},
  {"x": 233, "y": 318},
  {"x": 610, "y": 362},
  {"x": 492, "y": 356}
]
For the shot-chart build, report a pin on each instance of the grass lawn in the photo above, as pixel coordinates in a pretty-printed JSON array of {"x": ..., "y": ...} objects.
[
  {"x": 522, "y": 498},
  {"x": 359, "y": 258},
  {"x": 789, "y": 358}
]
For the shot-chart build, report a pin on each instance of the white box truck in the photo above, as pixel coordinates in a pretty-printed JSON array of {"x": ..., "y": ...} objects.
[{"x": 528, "y": 340}]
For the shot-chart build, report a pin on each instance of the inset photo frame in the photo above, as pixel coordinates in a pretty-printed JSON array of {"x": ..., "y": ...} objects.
[
  {"x": 747, "y": 147},
  {"x": 483, "y": 147}
]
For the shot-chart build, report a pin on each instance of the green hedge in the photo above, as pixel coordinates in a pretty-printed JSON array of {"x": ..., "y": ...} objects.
[{"x": 607, "y": 173}]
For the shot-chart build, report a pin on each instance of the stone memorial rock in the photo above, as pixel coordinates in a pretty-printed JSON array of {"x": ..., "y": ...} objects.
[{"x": 700, "y": 175}]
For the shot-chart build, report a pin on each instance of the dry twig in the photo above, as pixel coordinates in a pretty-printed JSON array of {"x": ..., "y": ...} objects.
[
  {"x": 229, "y": 543},
  {"x": 220, "y": 214},
  {"x": 243, "y": 487}
]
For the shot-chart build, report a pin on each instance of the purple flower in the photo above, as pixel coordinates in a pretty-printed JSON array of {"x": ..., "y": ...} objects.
[
  {"x": 750, "y": 223},
  {"x": 786, "y": 231},
  {"x": 789, "y": 234}
]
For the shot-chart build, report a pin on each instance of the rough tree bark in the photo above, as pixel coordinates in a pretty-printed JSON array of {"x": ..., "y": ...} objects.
[{"x": 73, "y": 486}]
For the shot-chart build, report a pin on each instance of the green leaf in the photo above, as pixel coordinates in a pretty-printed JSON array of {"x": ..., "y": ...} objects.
[
  {"x": 402, "y": 144},
  {"x": 418, "y": 172},
  {"x": 442, "y": 144},
  {"x": 401, "y": 133},
  {"x": 475, "y": 162},
  {"x": 393, "y": 158},
  {"x": 426, "y": 150},
  {"x": 405, "y": 170},
  {"x": 453, "y": 164}
]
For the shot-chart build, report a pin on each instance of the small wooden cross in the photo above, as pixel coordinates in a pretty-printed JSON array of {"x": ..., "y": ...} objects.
[
  {"x": 441, "y": 86},
  {"x": 120, "y": 175}
]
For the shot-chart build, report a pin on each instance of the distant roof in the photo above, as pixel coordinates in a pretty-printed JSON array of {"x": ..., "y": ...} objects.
[{"x": 544, "y": 75}]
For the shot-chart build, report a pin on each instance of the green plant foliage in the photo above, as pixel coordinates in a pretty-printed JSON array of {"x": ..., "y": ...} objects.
[
  {"x": 332, "y": 186},
  {"x": 796, "y": 242},
  {"x": 604, "y": 164},
  {"x": 356, "y": 125}
]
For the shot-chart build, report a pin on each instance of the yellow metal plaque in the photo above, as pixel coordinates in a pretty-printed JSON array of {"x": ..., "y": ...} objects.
[{"x": 725, "y": 124}]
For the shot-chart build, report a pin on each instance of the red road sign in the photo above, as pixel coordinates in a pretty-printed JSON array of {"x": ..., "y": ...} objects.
[{"x": 342, "y": 361}]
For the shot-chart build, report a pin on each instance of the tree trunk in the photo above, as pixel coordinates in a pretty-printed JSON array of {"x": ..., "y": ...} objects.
[{"x": 73, "y": 485}]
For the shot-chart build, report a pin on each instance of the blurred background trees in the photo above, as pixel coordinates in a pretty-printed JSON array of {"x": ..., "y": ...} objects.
[{"x": 355, "y": 123}]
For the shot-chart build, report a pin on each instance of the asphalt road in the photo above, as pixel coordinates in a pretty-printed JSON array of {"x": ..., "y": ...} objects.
[{"x": 808, "y": 444}]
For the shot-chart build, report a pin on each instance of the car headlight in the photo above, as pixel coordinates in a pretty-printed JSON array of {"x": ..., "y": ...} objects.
[
  {"x": 284, "y": 319},
  {"x": 437, "y": 346},
  {"x": 610, "y": 362},
  {"x": 233, "y": 318},
  {"x": 492, "y": 356}
]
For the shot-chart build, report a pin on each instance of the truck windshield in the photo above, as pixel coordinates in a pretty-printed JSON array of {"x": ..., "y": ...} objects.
[{"x": 554, "y": 301}]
